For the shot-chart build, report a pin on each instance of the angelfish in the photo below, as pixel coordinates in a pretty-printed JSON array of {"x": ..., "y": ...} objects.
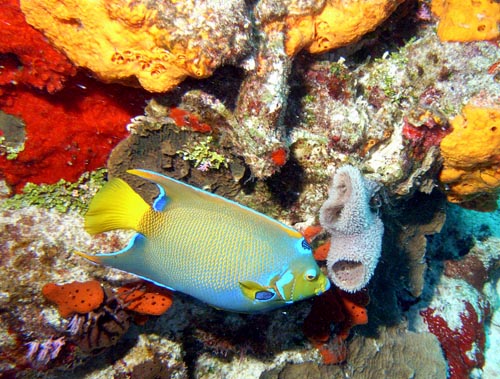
[{"x": 214, "y": 249}]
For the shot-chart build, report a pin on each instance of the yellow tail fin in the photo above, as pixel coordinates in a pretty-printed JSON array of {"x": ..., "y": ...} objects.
[{"x": 115, "y": 206}]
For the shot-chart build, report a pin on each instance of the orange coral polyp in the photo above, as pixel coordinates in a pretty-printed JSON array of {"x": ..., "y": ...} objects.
[{"x": 75, "y": 297}]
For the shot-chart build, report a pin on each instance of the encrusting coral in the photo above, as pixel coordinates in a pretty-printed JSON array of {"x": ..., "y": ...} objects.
[
  {"x": 26, "y": 57},
  {"x": 355, "y": 229},
  {"x": 465, "y": 21},
  {"x": 145, "y": 298},
  {"x": 471, "y": 171},
  {"x": 76, "y": 297}
]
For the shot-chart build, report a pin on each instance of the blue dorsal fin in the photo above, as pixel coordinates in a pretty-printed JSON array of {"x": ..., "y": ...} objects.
[{"x": 161, "y": 200}]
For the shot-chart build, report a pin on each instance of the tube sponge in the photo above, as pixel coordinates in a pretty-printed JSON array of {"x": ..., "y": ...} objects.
[{"x": 355, "y": 229}]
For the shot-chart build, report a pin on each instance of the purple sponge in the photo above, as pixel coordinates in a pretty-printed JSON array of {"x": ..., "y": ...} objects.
[{"x": 355, "y": 229}]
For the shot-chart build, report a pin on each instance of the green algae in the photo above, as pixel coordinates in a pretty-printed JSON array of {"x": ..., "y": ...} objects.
[
  {"x": 202, "y": 156},
  {"x": 62, "y": 196}
]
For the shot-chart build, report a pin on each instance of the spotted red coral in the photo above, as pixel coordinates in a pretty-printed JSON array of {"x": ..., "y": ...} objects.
[{"x": 145, "y": 298}]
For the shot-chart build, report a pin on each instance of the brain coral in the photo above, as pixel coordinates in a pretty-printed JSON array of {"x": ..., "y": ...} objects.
[
  {"x": 155, "y": 43},
  {"x": 471, "y": 170}
]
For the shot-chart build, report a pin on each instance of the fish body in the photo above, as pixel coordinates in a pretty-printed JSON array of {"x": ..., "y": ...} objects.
[{"x": 206, "y": 246}]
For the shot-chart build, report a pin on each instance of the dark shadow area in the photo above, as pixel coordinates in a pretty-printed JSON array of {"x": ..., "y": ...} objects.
[
  {"x": 390, "y": 294},
  {"x": 287, "y": 184}
]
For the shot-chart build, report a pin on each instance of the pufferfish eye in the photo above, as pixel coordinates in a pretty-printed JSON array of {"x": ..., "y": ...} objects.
[{"x": 310, "y": 274}]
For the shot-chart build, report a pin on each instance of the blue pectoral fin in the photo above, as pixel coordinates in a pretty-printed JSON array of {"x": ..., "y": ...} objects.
[
  {"x": 255, "y": 291},
  {"x": 130, "y": 259}
]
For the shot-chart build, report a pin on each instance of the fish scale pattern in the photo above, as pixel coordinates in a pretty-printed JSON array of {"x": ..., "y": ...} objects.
[
  {"x": 206, "y": 262},
  {"x": 206, "y": 246}
]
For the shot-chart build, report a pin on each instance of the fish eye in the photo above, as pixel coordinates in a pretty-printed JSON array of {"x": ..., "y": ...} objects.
[{"x": 310, "y": 274}]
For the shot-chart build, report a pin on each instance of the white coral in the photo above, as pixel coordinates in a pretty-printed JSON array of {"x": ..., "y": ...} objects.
[{"x": 355, "y": 229}]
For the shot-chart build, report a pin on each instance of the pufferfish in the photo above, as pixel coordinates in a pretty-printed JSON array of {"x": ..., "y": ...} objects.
[{"x": 201, "y": 244}]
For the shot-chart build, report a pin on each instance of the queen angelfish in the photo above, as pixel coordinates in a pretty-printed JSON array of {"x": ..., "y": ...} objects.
[{"x": 199, "y": 243}]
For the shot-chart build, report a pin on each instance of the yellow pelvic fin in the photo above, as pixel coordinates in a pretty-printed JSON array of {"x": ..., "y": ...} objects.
[{"x": 115, "y": 206}]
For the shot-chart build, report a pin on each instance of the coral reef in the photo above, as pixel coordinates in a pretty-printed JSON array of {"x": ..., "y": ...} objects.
[
  {"x": 277, "y": 121},
  {"x": 471, "y": 171},
  {"x": 62, "y": 196},
  {"x": 467, "y": 20},
  {"x": 355, "y": 229},
  {"x": 189, "y": 150},
  {"x": 159, "y": 45},
  {"x": 69, "y": 121},
  {"x": 67, "y": 133},
  {"x": 403, "y": 353},
  {"x": 341, "y": 310}
]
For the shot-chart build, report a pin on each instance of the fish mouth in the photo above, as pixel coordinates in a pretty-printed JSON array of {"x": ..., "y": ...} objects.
[{"x": 325, "y": 286}]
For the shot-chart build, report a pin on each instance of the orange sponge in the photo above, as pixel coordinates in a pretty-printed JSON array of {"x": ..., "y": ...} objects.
[
  {"x": 75, "y": 297},
  {"x": 145, "y": 298},
  {"x": 471, "y": 168},
  {"x": 467, "y": 20}
]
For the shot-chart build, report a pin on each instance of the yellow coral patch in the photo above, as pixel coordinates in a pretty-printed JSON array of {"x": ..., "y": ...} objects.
[
  {"x": 467, "y": 20},
  {"x": 471, "y": 155},
  {"x": 338, "y": 24},
  {"x": 118, "y": 40}
]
